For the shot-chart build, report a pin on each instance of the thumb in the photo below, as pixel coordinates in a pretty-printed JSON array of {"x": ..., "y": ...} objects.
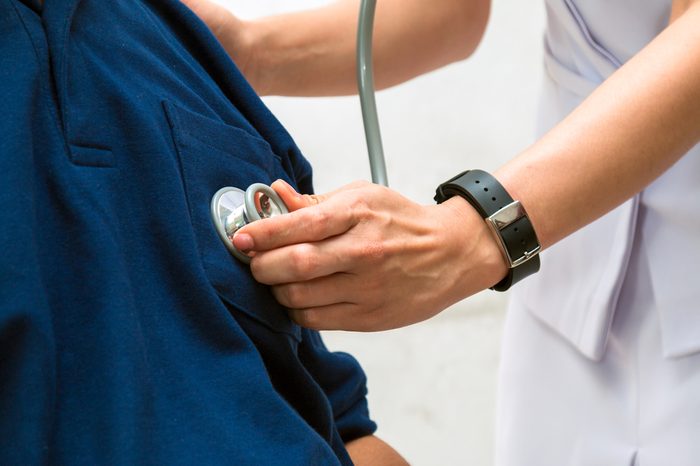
[
  {"x": 301, "y": 225},
  {"x": 292, "y": 198}
]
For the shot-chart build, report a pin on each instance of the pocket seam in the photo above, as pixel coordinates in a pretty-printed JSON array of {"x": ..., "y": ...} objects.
[{"x": 176, "y": 111}]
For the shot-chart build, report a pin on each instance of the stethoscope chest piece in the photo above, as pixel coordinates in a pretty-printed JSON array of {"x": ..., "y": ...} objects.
[{"x": 233, "y": 208}]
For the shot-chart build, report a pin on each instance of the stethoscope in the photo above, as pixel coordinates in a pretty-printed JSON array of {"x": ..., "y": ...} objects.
[{"x": 232, "y": 208}]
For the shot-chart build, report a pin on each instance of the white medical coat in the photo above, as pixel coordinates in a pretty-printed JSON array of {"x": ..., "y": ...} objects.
[
  {"x": 601, "y": 352},
  {"x": 577, "y": 290}
]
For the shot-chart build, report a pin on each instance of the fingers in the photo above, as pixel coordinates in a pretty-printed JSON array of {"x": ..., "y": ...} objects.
[
  {"x": 305, "y": 261},
  {"x": 332, "y": 214},
  {"x": 293, "y": 199},
  {"x": 296, "y": 201},
  {"x": 305, "y": 225},
  {"x": 324, "y": 291},
  {"x": 341, "y": 316}
]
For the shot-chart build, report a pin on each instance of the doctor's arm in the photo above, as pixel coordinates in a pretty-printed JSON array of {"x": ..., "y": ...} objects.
[
  {"x": 313, "y": 52},
  {"x": 365, "y": 258}
]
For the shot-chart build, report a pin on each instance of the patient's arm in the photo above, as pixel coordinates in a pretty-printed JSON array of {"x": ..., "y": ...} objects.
[{"x": 372, "y": 451}]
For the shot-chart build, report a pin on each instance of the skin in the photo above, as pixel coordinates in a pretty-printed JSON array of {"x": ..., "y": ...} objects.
[
  {"x": 371, "y": 451},
  {"x": 366, "y": 258},
  {"x": 313, "y": 52}
]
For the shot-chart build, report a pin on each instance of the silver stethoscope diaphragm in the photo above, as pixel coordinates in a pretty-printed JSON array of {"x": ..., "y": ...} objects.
[{"x": 233, "y": 208}]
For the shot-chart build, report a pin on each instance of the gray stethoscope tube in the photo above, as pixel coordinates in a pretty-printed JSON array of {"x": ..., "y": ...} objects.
[
  {"x": 365, "y": 84},
  {"x": 233, "y": 208}
]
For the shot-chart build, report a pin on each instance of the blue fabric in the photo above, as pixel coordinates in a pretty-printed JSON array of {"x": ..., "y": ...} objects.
[{"x": 128, "y": 334}]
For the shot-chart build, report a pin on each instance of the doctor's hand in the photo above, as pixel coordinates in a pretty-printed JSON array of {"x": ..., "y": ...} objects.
[{"x": 366, "y": 258}]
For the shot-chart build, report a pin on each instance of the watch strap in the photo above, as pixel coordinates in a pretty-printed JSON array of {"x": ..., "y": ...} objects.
[{"x": 506, "y": 217}]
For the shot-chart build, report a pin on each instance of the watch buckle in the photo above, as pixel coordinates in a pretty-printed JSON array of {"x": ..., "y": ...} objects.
[{"x": 502, "y": 219}]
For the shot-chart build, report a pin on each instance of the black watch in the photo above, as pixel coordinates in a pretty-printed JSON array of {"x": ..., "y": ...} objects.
[{"x": 506, "y": 217}]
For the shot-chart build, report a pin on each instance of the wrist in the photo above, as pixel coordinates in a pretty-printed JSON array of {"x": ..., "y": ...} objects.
[
  {"x": 503, "y": 215},
  {"x": 517, "y": 178},
  {"x": 480, "y": 257}
]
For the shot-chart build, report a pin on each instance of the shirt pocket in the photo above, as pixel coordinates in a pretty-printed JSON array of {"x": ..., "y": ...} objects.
[{"x": 213, "y": 154}]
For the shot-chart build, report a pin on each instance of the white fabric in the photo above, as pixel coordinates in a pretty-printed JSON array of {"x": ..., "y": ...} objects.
[
  {"x": 600, "y": 362},
  {"x": 559, "y": 408},
  {"x": 577, "y": 289}
]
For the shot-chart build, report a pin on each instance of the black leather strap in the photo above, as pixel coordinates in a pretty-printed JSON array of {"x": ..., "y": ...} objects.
[{"x": 488, "y": 196}]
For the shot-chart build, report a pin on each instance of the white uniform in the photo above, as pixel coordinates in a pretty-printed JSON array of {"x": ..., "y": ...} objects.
[{"x": 601, "y": 355}]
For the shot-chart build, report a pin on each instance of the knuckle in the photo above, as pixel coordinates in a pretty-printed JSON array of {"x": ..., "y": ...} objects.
[
  {"x": 319, "y": 220},
  {"x": 265, "y": 235},
  {"x": 310, "y": 221},
  {"x": 359, "y": 202},
  {"x": 258, "y": 270},
  {"x": 359, "y": 184},
  {"x": 294, "y": 295},
  {"x": 303, "y": 260},
  {"x": 360, "y": 208}
]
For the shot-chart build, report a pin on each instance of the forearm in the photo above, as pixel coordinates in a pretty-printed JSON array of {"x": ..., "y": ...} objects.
[
  {"x": 364, "y": 258},
  {"x": 636, "y": 125},
  {"x": 313, "y": 52},
  {"x": 371, "y": 451}
]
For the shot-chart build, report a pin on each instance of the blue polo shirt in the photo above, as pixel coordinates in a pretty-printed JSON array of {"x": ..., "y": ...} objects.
[{"x": 128, "y": 333}]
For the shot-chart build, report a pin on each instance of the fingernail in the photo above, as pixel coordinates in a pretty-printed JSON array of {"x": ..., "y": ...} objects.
[{"x": 243, "y": 242}]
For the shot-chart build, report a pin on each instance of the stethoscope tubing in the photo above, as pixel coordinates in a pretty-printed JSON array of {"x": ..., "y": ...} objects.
[{"x": 365, "y": 82}]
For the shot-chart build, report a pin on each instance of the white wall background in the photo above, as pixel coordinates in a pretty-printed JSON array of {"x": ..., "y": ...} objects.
[{"x": 432, "y": 386}]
